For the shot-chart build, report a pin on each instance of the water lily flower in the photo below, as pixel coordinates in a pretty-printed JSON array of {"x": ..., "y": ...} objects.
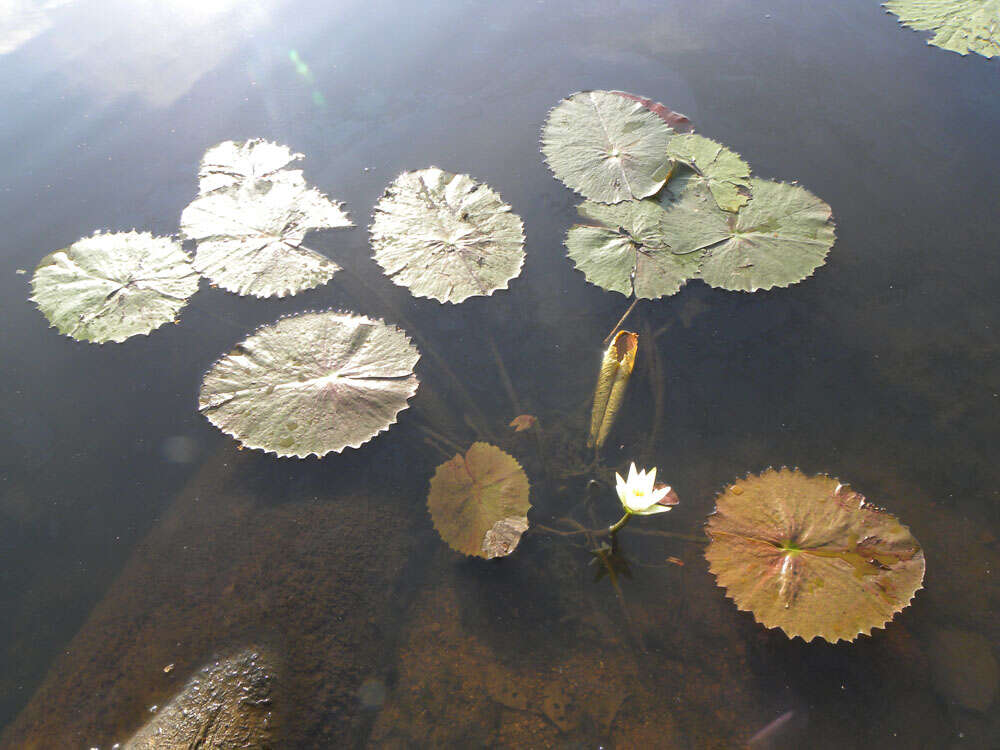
[{"x": 638, "y": 493}]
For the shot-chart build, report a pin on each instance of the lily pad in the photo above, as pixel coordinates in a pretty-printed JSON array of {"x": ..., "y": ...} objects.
[
  {"x": 479, "y": 502},
  {"x": 725, "y": 172},
  {"x": 625, "y": 249},
  {"x": 250, "y": 235},
  {"x": 314, "y": 383},
  {"x": 960, "y": 26},
  {"x": 235, "y": 162},
  {"x": 811, "y": 556},
  {"x": 112, "y": 286},
  {"x": 692, "y": 220},
  {"x": 606, "y": 146},
  {"x": 446, "y": 236},
  {"x": 777, "y": 239}
]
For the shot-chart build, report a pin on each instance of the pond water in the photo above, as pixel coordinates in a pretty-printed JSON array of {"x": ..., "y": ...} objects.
[{"x": 138, "y": 546}]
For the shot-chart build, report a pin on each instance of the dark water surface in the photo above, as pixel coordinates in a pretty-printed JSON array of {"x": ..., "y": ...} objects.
[{"x": 134, "y": 537}]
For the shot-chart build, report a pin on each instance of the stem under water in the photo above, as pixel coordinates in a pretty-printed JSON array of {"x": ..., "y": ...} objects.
[
  {"x": 621, "y": 321},
  {"x": 619, "y": 524}
]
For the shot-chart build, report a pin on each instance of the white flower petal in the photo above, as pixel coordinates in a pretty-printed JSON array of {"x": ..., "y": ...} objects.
[{"x": 653, "y": 510}]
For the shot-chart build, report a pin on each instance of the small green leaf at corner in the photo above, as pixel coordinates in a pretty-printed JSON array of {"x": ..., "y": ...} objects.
[{"x": 961, "y": 26}]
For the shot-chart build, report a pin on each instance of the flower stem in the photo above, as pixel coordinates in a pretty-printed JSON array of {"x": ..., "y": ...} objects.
[{"x": 621, "y": 523}]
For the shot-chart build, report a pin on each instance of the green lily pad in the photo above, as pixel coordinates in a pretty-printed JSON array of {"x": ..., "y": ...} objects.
[
  {"x": 727, "y": 175},
  {"x": 235, "y": 162},
  {"x": 250, "y": 235},
  {"x": 446, "y": 236},
  {"x": 961, "y": 26},
  {"x": 607, "y": 146},
  {"x": 479, "y": 502},
  {"x": 811, "y": 556},
  {"x": 777, "y": 239},
  {"x": 648, "y": 248},
  {"x": 314, "y": 383},
  {"x": 112, "y": 286}
]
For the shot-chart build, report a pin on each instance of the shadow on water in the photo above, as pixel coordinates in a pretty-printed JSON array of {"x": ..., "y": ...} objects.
[{"x": 136, "y": 538}]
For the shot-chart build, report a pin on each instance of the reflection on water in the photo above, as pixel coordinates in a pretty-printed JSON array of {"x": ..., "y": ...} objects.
[
  {"x": 134, "y": 537},
  {"x": 154, "y": 49}
]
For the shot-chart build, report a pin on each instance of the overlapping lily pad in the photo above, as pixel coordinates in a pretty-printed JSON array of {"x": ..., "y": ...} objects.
[
  {"x": 679, "y": 122},
  {"x": 446, "y": 236},
  {"x": 250, "y": 235},
  {"x": 725, "y": 172},
  {"x": 606, "y": 146},
  {"x": 961, "y": 26},
  {"x": 479, "y": 502},
  {"x": 235, "y": 162},
  {"x": 777, "y": 239},
  {"x": 109, "y": 287},
  {"x": 311, "y": 384},
  {"x": 811, "y": 556},
  {"x": 649, "y": 247}
]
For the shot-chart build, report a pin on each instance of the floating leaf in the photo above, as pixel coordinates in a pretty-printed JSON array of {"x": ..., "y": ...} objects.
[
  {"x": 606, "y": 146},
  {"x": 727, "y": 175},
  {"x": 625, "y": 249},
  {"x": 250, "y": 235},
  {"x": 233, "y": 162},
  {"x": 523, "y": 422},
  {"x": 692, "y": 220},
  {"x": 112, "y": 286},
  {"x": 779, "y": 238},
  {"x": 446, "y": 236},
  {"x": 311, "y": 384},
  {"x": 675, "y": 120},
  {"x": 810, "y": 556},
  {"x": 479, "y": 502},
  {"x": 616, "y": 369},
  {"x": 961, "y": 26}
]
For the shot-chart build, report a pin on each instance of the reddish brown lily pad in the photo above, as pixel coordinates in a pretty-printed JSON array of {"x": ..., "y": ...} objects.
[
  {"x": 811, "y": 556},
  {"x": 479, "y": 502},
  {"x": 676, "y": 120}
]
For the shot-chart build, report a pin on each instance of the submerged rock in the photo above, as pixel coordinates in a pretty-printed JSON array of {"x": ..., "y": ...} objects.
[
  {"x": 250, "y": 553},
  {"x": 226, "y": 705}
]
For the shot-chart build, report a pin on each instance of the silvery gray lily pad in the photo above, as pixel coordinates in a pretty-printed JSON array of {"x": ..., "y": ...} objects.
[
  {"x": 727, "y": 175},
  {"x": 314, "y": 383},
  {"x": 606, "y": 146},
  {"x": 234, "y": 162},
  {"x": 960, "y": 26},
  {"x": 112, "y": 286},
  {"x": 446, "y": 236},
  {"x": 779, "y": 238},
  {"x": 250, "y": 235}
]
